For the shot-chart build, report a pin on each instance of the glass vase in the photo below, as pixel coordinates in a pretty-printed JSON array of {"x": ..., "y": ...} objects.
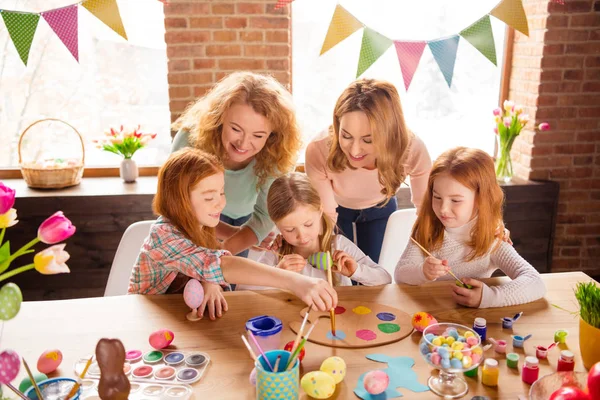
[{"x": 504, "y": 168}]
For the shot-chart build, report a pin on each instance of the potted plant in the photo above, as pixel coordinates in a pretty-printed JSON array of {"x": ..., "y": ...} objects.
[{"x": 588, "y": 297}]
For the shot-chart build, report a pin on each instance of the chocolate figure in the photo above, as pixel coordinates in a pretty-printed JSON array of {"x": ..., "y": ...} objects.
[{"x": 114, "y": 385}]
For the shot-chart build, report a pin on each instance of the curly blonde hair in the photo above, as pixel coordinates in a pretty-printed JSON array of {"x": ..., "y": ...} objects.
[{"x": 204, "y": 120}]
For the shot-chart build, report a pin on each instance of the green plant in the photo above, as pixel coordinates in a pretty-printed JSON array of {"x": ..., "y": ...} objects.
[{"x": 588, "y": 297}]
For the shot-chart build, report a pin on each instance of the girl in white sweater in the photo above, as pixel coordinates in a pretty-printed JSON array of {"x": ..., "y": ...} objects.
[
  {"x": 295, "y": 207},
  {"x": 457, "y": 223}
]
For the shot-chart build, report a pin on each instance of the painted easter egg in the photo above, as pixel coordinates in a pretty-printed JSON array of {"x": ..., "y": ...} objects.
[
  {"x": 253, "y": 377},
  {"x": 290, "y": 345},
  {"x": 161, "y": 338},
  {"x": 10, "y": 301},
  {"x": 193, "y": 293},
  {"x": 422, "y": 320},
  {"x": 376, "y": 382},
  {"x": 318, "y": 384},
  {"x": 10, "y": 363},
  {"x": 49, "y": 361},
  {"x": 26, "y": 382},
  {"x": 336, "y": 367}
]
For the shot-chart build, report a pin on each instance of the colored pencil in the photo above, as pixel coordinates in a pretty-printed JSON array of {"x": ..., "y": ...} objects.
[
  {"x": 33, "y": 382},
  {"x": 449, "y": 270},
  {"x": 17, "y": 391},
  {"x": 301, "y": 330},
  {"x": 249, "y": 348},
  {"x": 75, "y": 388},
  {"x": 295, "y": 354},
  {"x": 260, "y": 349}
]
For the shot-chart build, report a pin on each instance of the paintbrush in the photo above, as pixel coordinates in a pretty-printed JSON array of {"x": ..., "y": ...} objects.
[
  {"x": 75, "y": 388},
  {"x": 449, "y": 270},
  {"x": 301, "y": 330},
  {"x": 263, "y": 249},
  {"x": 330, "y": 280},
  {"x": 17, "y": 391},
  {"x": 33, "y": 382},
  {"x": 249, "y": 348},
  {"x": 260, "y": 350},
  {"x": 295, "y": 354},
  {"x": 276, "y": 368}
]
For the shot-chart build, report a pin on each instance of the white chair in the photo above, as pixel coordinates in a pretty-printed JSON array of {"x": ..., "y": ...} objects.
[
  {"x": 125, "y": 257},
  {"x": 396, "y": 237}
]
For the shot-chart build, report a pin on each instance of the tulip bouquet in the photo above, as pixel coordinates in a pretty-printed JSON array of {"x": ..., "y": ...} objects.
[
  {"x": 124, "y": 141},
  {"x": 49, "y": 261}
]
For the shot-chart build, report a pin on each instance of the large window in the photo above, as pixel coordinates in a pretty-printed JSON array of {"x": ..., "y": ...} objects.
[
  {"x": 443, "y": 117},
  {"x": 115, "y": 82}
]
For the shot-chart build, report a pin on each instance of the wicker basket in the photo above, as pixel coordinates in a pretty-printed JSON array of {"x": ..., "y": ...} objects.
[{"x": 52, "y": 178}]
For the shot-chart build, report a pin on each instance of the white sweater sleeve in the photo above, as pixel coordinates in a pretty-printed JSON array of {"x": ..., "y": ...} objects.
[
  {"x": 526, "y": 284},
  {"x": 368, "y": 272},
  {"x": 410, "y": 266}
]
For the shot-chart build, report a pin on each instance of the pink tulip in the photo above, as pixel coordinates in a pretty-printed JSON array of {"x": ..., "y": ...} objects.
[
  {"x": 56, "y": 229},
  {"x": 544, "y": 126},
  {"x": 7, "y": 198},
  {"x": 497, "y": 111},
  {"x": 52, "y": 260},
  {"x": 507, "y": 121}
]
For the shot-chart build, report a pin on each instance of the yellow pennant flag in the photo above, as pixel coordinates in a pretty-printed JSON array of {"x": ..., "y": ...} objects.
[
  {"x": 343, "y": 24},
  {"x": 513, "y": 14},
  {"x": 107, "y": 11}
]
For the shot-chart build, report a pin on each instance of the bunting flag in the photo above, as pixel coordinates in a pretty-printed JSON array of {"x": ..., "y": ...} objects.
[
  {"x": 409, "y": 55},
  {"x": 64, "y": 23},
  {"x": 373, "y": 46},
  {"x": 512, "y": 13},
  {"x": 107, "y": 11},
  {"x": 21, "y": 28},
  {"x": 444, "y": 52},
  {"x": 481, "y": 37},
  {"x": 342, "y": 25}
]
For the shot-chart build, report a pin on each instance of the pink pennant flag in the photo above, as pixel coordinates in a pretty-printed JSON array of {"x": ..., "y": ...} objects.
[
  {"x": 64, "y": 23},
  {"x": 281, "y": 3},
  {"x": 409, "y": 55}
]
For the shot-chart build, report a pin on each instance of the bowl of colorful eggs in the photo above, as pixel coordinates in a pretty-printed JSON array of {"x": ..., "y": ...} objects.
[{"x": 452, "y": 349}]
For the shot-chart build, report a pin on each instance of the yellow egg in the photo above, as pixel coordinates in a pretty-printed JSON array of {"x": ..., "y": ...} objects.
[
  {"x": 318, "y": 384},
  {"x": 422, "y": 320},
  {"x": 457, "y": 354},
  {"x": 458, "y": 346},
  {"x": 477, "y": 350},
  {"x": 336, "y": 367},
  {"x": 469, "y": 334},
  {"x": 437, "y": 341},
  {"x": 467, "y": 362},
  {"x": 450, "y": 340}
]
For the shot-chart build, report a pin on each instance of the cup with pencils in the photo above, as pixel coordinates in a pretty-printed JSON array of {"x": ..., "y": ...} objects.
[{"x": 277, "y": 382}]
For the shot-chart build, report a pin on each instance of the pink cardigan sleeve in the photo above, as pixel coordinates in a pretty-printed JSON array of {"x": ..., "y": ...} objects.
[
  {"x": 418, "y": 166},
  {"x": 316, "y": 169}
]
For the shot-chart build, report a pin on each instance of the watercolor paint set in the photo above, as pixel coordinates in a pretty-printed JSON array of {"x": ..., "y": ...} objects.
[{"x": 141, "y": 391}]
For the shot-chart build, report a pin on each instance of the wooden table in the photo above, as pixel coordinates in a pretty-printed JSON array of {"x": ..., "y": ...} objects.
[{"x": 74, "y": 327}]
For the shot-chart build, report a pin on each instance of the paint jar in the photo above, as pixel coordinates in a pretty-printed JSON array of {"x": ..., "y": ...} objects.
[
  {"x": 267, "y": 331},
  {"x": 507, "y": 323},
  {"x": 519, "y": 341},
  {"x": 531, "y": 370},
  {"x": 499, "y": 345},
  {"x": 560, "y": 336},
  {"x": 480, "y": 327},
  {"x": 541, "y": 352},
  {"x": 566, "y": 362},
  {"x": 280, "y": 385},
  {"x": 472, "y": 373},
  {"x": 490, "y": 372},
  {"x": 512, "y": 360}
]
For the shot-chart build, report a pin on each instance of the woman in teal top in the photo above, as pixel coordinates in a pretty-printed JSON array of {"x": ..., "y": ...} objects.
[{"x": 247, "y": 120}]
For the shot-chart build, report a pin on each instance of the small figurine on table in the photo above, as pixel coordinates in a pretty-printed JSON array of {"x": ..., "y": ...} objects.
[{"x": 113, "y": 385}]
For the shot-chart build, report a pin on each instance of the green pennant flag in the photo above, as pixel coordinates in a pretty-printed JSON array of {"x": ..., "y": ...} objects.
[
  {"x": 21, "y": 28},
  {"x": 374, "y": 44},
  {"x": 480, "y": 35}
]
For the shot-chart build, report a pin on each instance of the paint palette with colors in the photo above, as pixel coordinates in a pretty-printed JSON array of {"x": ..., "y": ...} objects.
[{"x": 141, "y": 391}]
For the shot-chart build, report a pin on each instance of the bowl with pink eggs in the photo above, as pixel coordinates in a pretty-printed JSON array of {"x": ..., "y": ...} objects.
[{"x": 451, "y": 349}]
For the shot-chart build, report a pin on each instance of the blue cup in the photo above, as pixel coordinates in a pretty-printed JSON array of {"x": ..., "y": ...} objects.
[
  {"x": 53, "y": 385},
  {"x": 279, "y": 385}
]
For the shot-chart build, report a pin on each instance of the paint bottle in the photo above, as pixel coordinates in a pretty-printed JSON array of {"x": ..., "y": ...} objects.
[
  {"x": 490, "y": 372},
  {"x": 480, "y": 327},
  {"x": 531, "y": 370},
  {"x": 566, "y": 362}
]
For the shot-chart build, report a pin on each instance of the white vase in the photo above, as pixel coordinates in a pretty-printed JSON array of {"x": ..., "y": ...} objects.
[{"x": 129, "y": 170}]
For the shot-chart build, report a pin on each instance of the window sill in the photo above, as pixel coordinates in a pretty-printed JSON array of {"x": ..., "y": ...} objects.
[{"x": 91, "y": 172}]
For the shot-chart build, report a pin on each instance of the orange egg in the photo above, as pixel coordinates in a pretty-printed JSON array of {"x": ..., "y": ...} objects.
[
  {"x": 422, "y": 320},
  {"x": 49, "y": 361}
]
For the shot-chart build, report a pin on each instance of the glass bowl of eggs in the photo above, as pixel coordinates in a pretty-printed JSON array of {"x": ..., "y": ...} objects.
[{"x": 452, "y": 349}]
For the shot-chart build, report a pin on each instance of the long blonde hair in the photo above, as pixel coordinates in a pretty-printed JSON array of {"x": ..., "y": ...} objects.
[
  {"x": 204, "y": 120},
  {"x": 176, "y": 178},
  {"x": 380, "y": 101},
  {"x": 474, "y": 169}
]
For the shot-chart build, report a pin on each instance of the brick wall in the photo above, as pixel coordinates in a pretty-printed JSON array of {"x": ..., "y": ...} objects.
[
  {"x": 207, "y": 40},
  {"x": 556, "y": 74}
]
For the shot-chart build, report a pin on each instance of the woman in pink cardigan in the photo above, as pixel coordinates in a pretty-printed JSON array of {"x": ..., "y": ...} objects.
[{"x": 358, "y": 165}]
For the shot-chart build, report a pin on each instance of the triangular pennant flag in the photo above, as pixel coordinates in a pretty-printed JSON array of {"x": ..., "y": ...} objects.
[
  {"x": 513, "y": 14},
  {"x": 343, "y": 24},
  {"x": 21, "y": 28},
  {"x": 444, "y": 52},
  {"x": 409, "y": 55},
  {"x": 374, "y": 44},
  {"x": 481, "y": 37},
  {"x": 281, "y": 3},
  {"x": 64, "y": 23},
  {"x": 107, "y": 11}
]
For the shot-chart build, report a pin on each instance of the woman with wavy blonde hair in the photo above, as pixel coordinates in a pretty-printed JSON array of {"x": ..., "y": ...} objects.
[
  {"x": 358, "y": 165},
  {"x": 248, "y": 121}
]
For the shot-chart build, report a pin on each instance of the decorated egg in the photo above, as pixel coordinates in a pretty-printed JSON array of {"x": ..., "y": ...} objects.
[
  {"x": 10, "y": 363},
  {"x": 49, "y": 361},
  {"x": 318, "y": 384},
  {"x": 422, "y": 320},
  {"x": 161, "y": 338},
  {"x": 10, "y": 301},
  {"x": 26, "y": 382},
  {"x": 336, "y": 367},
  {"x": 193, "y": 293},
  {"x": 253, "y": 377},
  {"x": 290, "y": 345},
  {"x": 376, "y": 382}
]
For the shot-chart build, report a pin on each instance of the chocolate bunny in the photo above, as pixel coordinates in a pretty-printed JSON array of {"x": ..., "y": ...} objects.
[{"x": 114, "y": 385}]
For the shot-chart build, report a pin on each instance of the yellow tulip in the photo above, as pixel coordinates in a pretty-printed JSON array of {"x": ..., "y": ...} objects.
[
  {"x": 8, "y": 219},
  {"x": 52, "y": 260}
]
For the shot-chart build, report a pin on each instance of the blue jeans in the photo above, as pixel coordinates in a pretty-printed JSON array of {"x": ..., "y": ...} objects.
[
  {"x": 370, "y": 226},
  {"x": 237, "y": 222}
]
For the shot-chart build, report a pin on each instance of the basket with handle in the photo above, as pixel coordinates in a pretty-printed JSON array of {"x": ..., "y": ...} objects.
[{"x": 55, "y": 177}]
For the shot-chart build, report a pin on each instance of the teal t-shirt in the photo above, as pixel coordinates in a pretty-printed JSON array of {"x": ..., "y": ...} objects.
[{"x": 241, "y": 193}]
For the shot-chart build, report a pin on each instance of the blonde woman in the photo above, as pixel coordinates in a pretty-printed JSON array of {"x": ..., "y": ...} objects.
[
  {"x": 248, "y": 121},
  {"x": 358, "y": 166}
]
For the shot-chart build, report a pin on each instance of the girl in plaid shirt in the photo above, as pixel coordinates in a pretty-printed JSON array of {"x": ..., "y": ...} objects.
[{"x": 182, "y": 243}]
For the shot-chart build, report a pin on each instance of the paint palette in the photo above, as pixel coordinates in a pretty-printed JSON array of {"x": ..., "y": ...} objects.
[
  {"x": 358, "y": 324},
  {"x": 141, "y": 391}
]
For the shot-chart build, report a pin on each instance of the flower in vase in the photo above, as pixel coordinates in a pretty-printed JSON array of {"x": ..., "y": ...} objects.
[
  {"x": 544, "y": 126},
  {"x": 497, "y": 112},
  {"x": 52, "y": 260},
  {"x": 509, "y": 106},
  {"x": 8, "y": 219},
  {"x": 56, "y": 229},
  {"x": 7, "y": 198},
  {"x": 124, "y": 141},
  {"x": 507, "y": 121}
]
